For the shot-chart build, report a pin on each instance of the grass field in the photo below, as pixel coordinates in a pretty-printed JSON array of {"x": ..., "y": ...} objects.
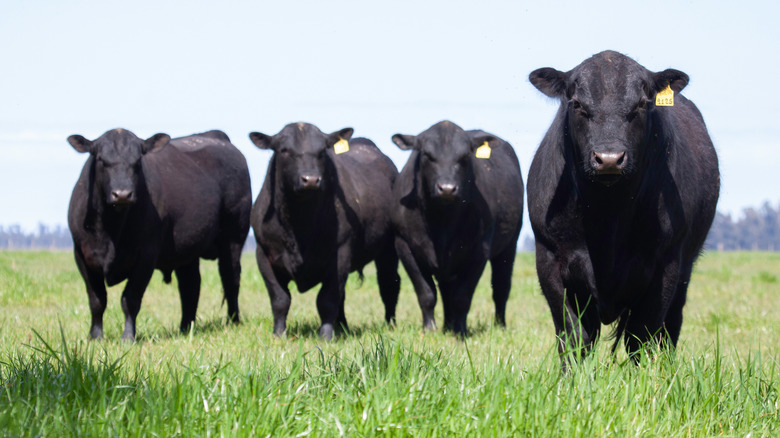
[{"x": 724, "y": 380}]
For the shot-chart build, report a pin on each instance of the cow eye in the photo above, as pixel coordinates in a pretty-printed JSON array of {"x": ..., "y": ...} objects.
[
  {"x": 429, "y": 157},
  {"x": 577, "y": 106},
  {"x": 641, "y": 106}
]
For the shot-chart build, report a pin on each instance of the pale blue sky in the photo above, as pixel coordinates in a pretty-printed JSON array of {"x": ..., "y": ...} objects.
[{"x": 381, "y": 67}]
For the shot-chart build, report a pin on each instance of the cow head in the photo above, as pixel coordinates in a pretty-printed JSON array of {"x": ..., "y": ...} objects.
[
  {"x": 608, "y": 101},
  {"x": 445, "y": 152},
  {"x": 117, "y": 155},
  {"x": 300, "y": 154}
]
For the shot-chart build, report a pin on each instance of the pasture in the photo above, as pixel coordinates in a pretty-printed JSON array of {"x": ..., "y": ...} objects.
[{"x": 724, "y": 379}]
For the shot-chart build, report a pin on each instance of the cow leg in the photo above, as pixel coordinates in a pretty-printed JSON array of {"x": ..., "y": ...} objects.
[
  {"x": 646, "y": 321},
  {"x": 501, "y": 280},
  {"x": 188, "y": 277},
  {"x": 674, "y": 317},
  {"x": 389, "y": 281},
  {"x": 96, "y": 292},
  {"x": 132, "y": 296},
  {"x": 565, "y": 306},
  {"x": 583, "y": 315},
  {"x": 341, "y": 321},
  {"x": 456, "y": 295},
  {"x": 330, "y": 305},
  {"x": 330, "y": 300},
  {"x": 423, "y": 283},
  {"x": 276, "y": 284},
  {"x": 230, "y": 274}
]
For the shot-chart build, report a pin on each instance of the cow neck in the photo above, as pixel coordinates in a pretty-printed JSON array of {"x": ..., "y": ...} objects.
[
  {"x": 302, "y": 216},
  {"x": 302, "y": 212},
  {"x": 448, "y": 221},
  {"x": 444, "y": 214}
]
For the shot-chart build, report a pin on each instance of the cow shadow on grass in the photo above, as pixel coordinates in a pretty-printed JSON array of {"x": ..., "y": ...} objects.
[
  {"x": 480, "y": 328},
  {"x": 311, "y": 330},
  {"x": 201, "y": 327}
]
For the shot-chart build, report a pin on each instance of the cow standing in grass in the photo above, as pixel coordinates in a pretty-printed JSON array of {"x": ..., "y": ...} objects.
[
  {"x": 141, "y": 205},
  {"x": 621, "y": 193},
  {"x": 458, "y": 203},
  {"x": 323, "y": 212}
]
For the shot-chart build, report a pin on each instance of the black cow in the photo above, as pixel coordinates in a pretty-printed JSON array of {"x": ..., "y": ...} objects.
[
  {"x": 323, "y": 212},
  {"x": 621, "y": 194},
  {"x": 141, "y": 205},
  {"x": 453, "y": 212}
]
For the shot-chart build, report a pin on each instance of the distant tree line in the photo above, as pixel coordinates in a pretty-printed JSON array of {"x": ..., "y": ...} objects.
[
  {"x": 45, "y": 237},
  {"x": 758, "y": 229},
  {"x": 58, "y": 237}
]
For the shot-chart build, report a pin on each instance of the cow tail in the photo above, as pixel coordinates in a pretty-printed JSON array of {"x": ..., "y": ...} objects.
[{"x": 620, "y": 330}]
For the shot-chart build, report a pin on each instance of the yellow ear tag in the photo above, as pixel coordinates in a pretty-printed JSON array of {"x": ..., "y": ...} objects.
[
  {"x": 483, "y": 151},
  {"x": 341, "y": 146},
  {"x": 665, "y": 97}
]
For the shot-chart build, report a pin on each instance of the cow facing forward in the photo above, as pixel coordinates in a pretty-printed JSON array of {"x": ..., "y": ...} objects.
[
  {"x": 323, "y": 212},
  {"x": 141, "y": 205},
  {"x": 621, "y": 193},
  {"x": 458, "y": 204}
]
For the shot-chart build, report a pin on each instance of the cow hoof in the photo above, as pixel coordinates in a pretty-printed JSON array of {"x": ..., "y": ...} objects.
[
  {"x": 391, "y": 323},
  {"x": 128, "y": 339},
  {"x": 326, "y": 332},
  {"x": 186, "y": 328},
  {"x": 96, "y": 333}
]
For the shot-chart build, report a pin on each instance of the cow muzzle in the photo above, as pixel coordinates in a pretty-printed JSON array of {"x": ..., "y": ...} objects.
[
  {"x": 608, "y": 163},
  {"x": 608, "y": 167},
  {"x": 121, "y": 198},
  {"x": 446, "y": 191},
  {"x": 310, "y": 182}
]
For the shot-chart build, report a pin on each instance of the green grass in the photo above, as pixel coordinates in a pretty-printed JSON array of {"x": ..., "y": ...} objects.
[{"x": 724, "y": 379}]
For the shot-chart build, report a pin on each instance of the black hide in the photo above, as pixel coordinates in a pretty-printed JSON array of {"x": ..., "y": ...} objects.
[
  {"x": 621, "y": 195},
  {"x": 453, "y": 212},
  {"x": 141, "y": 205},
  {"x": 321, "y": 215}
]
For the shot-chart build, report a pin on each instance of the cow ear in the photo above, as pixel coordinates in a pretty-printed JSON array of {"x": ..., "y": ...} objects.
[
  {"x": 549, "y": 81},
  {"x": 80, "y": 143},
  {"x": 405, "y": 142},
  {"x": 492, "y": 141},
  {"x": 261, "y": 140},
  {"x": 155, "y": 142},
  {"x": 343, "y": 134},
  {"x": 675, "y": 79}
]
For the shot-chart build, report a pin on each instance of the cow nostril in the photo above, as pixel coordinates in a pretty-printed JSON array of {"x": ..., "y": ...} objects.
[
  {"x": 121, "y": 195},
  {"x": 620, "y": 159},
  {"x": 311, "y": 181},
  {"x": 598, "y": 160},
  {"x": 446, "y": 189}
]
